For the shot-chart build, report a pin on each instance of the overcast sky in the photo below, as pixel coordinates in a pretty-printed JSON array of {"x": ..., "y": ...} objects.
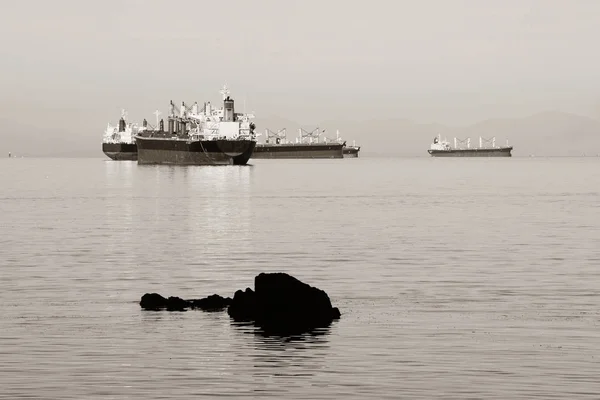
[{"x": 446, "y": 61}]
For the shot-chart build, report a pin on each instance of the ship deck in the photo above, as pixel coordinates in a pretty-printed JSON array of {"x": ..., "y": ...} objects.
[
  {"x": 474, "y": 152},
  {"x": 297, "y": 144}
]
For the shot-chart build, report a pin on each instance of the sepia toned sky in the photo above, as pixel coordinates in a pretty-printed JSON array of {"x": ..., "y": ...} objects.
[{"x": 446, "y": 61}]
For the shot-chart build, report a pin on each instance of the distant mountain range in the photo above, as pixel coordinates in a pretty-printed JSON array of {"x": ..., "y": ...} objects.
[{"x": 543, "y": 134}]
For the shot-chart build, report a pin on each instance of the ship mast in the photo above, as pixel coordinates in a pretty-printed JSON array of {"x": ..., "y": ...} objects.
[
  {"x": 157, "y": 113},
  {"x": 224, "y": 92},
  {"x": 280, "y": 136},
  {"x": 315, "y": 133}
]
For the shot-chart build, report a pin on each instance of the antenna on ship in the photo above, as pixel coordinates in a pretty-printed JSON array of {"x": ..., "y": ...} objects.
[
  {"x": 224, "y": 92},
  {"x": 157, "y": 113}
]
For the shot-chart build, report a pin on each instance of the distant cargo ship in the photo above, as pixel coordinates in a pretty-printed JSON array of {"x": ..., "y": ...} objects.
[
  {"x": 441, "y": 148},
  {"x": 199, "y": 137},
  {"x": 306, "y": 145},
  {"x": 118, "y": 142}
]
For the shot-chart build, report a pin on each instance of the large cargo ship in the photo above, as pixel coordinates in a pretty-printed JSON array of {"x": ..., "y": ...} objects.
[
  {"x": 462, "y": 148},
  {"x": 209, "y": 136},
  {"x": 306, "y": 145},
  {"x": 118, "y": 142}
]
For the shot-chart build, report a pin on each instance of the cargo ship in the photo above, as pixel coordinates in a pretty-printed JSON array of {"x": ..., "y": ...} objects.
[
  {"x": 207, "y": 136},
  {"x": 306, "y": 145},
  {"x": 351, "y": 151},
  {"x": 462, "y": 148},
  {"x": 118, "y": 142}
]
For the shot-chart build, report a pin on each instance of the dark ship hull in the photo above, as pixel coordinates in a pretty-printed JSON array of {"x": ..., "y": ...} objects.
[
  {"x": 493, "y": 152},
  {"x": 177, "y": 151},
  {"x": 120, "y": 151},
  {"x": 298, "y": 150},
  {"x": 351, "y": 151}
]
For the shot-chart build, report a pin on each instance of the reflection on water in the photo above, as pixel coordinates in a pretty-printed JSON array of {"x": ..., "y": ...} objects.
[
  {"x": 313, "y": 335},
  {"x": 119, "y": 206},
  {"x": 219, "y": 204},
  {"x": 285, "y": 356},
  {"x": 119, "y": 173}
]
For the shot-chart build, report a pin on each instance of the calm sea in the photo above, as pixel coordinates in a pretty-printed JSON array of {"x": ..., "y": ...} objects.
[{"x": 456, "y": 278}]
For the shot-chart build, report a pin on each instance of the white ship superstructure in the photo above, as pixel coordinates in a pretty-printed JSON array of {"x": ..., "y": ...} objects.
[
  {"x": 211, "y": 123},
  {"x": 123, "y": 133},
  {"x": 439, "y": 144}
]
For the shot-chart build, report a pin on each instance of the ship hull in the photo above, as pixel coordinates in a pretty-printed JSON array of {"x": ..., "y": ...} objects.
[
  {"x": 351, "y": 152},
  {"x": 500, "y": 152},
  {"x": 120, "y": 151},
  {"x": 298, "y": 150},
  {"x": 172, "y": 151}
]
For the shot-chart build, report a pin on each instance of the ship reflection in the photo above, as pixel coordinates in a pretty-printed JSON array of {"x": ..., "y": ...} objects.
[
  {"x": 200, "y": 176},
  {"x": 118, "y": 207},
  {"x": 119, "y": 173},
  {"x": 219, "y": 204},
  {"x": 195, "y": 219},
  {"x": 204, "y": 213}
]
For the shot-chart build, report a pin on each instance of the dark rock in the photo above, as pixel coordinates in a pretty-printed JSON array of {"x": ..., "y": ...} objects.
[
  {"x": 212, "y": 303},
  {"x": 243, "y": 306},
  {"x": 177, "y": 304},
  {"x": 279, "y": 304},
  {"x": 283, "y": 304},
  {"x": 155, "y": 302}
]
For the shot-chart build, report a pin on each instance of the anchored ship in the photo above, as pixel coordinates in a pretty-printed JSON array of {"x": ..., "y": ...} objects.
[
  {"x": 118, "y": 142},
  {"x": 462, "y": 148},
  {"x": 306, "y": 145},
  {"x": 351, "y": 151},
  {"x": 209, "y": 136}
]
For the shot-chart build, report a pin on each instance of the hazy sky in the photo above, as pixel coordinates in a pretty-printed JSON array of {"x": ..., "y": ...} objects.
[{"x": 447, "y": 61}]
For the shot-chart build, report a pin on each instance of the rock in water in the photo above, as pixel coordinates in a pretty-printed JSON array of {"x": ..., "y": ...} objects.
[
  {"x": 152, "y": 301},
  {"x": 243, "y": 306},
  {"x": 155, "y": 302},
  {"x": 283, "y": 304},
  {"x": 211, "y": 303},
  {"x": 279, "y": 304}
]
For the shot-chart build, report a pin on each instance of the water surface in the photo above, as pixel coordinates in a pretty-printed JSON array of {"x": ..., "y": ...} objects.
[{"x": 457, "y": 278}]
